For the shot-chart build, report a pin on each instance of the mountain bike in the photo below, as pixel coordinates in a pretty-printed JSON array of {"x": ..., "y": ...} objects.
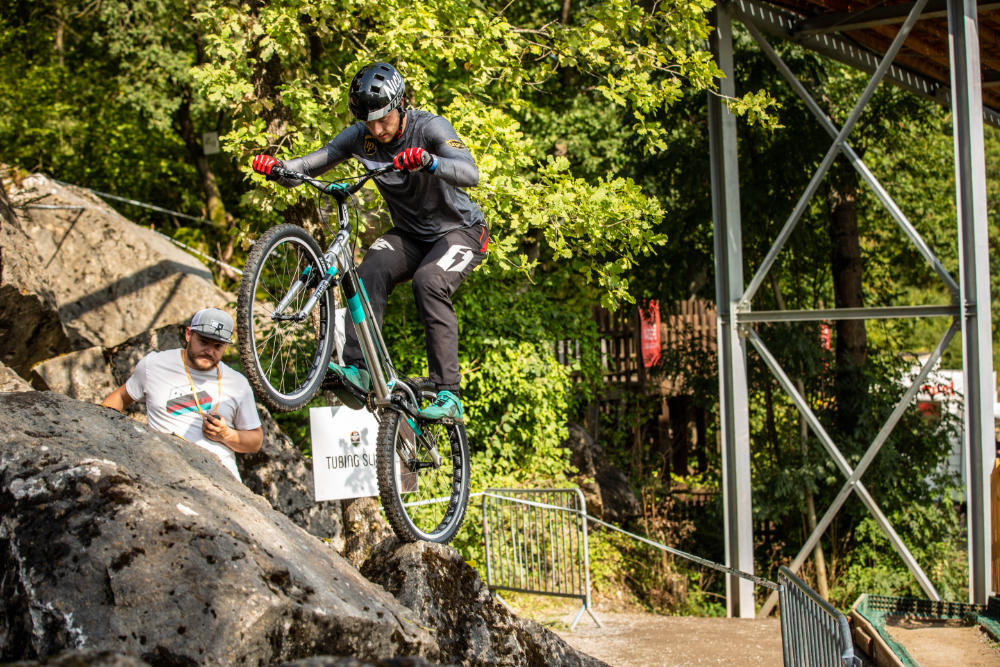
[{"x": 285, "y": 327}]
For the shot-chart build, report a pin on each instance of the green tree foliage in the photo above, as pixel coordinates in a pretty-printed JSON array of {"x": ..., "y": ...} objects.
[
  {"x": 517, "y": 85},
  {"x": 282, "y": 68}
]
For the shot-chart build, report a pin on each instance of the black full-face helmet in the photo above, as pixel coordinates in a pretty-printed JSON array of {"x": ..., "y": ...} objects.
[{"x": 375, "y": 91}]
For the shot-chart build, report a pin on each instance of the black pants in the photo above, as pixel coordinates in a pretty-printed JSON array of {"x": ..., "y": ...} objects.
[{"x": 437, "y": 269}]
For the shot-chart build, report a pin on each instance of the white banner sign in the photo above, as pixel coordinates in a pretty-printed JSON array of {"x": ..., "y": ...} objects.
[{"x": 343, "y": 446}]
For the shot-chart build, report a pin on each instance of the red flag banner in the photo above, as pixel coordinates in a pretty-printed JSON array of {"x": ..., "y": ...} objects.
[{"x": 650, "y": 323}]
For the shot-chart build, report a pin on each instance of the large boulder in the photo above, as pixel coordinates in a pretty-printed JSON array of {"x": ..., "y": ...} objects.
[
  {"x": 364, "y": 529},
  {"x": 110, "y": 278},
  {"x": 122, "y": 546},
  {"x": 471, "y": 627},
  {"x": 281, "y": 474},
  {"x": 30, "y": 327},
  {"x": 117, "y": 538},
  {"x": 84, "y": 375}
]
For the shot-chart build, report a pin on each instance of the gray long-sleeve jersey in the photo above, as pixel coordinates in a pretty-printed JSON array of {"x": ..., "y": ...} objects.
[{"x": 426, "y": 205}]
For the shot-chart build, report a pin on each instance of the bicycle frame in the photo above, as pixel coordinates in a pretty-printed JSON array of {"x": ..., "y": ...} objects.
[{"x": 341, "y": 270}]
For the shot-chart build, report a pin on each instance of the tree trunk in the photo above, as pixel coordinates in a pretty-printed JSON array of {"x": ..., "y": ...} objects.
[
  {"x": 822, "y": 585},
  {"x": 214, "y": 208},
  {"x": 850, "y": 387},
  {"x": 680, "y": 438}
]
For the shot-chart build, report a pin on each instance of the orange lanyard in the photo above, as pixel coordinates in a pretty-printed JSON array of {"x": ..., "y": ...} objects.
[{"x": 197, "y": 402}]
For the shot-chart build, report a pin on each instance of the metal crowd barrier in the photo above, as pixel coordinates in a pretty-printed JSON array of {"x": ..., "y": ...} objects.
[
  {"x": 813, "y": 632},
  {"x": 536, "y": 542}
]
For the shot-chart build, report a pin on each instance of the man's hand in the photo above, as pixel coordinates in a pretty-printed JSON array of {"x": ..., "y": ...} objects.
[
  {"x": 215, "y": 428},
  {"x": 414, "y": 159},
  {"x": 263, "y": 164},
  {"x": 246, "y": 442}
]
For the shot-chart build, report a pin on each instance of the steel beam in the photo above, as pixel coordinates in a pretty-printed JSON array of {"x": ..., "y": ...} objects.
[
  {"x": 855, "y": 160},
  {"x": 880, "y": 72},
  {"x": 873, "y": 16},
  {"x": 781, "y": 23},
  {"x": 977, "y": 352},
  {"x": 734, "y": 413},
  {"x": 833, "y": 314},
  {"x": 853, "y": 483}
]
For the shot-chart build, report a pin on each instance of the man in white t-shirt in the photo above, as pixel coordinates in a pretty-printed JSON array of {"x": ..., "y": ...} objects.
[{"x": 190, "y": 393}]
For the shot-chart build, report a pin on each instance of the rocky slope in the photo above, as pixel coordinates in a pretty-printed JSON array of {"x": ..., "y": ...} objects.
[
  {"x": 122, "y": 546},
  {"x": 117, "y": 538}
]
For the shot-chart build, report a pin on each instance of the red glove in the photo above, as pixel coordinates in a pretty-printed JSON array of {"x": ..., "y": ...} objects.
[
  {"x": 263, "y": 164},
  {"x": 414, "y": 159}
]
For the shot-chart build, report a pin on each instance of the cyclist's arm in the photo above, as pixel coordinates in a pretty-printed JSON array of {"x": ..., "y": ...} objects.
[
  {"x": 455, "y": 163},
  {"x": 322, "y": 159}
]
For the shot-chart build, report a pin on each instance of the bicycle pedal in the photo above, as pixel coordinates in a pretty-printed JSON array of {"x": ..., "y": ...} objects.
[{"x": 447, "y": 421}]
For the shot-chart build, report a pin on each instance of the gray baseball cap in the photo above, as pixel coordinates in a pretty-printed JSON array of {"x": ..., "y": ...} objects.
[{"x": 213, "y": 323}]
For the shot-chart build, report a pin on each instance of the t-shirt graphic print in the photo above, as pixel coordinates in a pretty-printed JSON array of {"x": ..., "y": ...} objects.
[{"x": 181, "y": 400}]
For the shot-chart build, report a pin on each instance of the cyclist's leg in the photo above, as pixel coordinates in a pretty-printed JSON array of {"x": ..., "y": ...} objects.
[
  {"x": 391, "y": 259},
  {"x": 449, "y": 261}
]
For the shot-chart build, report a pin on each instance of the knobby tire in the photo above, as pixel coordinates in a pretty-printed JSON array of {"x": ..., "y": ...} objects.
[
  {"x": 433, "y": 522},
  {"x": 285, "y": 362}
]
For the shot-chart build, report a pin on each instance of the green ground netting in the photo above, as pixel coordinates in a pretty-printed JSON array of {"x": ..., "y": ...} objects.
[{"x": 876, "y": 608}]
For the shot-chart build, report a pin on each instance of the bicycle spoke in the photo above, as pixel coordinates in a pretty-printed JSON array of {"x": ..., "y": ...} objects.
[
  {"x": 423, "y": 499},
  {"x": 286, "y": 352}
]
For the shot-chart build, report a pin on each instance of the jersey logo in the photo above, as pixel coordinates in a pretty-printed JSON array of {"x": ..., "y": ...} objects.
[
  {"x": 455, "y": 143},
  {"x": 380, "y": 244},
  {"x": 456, "y": 259},
  {"x": 369, "y": 145}
]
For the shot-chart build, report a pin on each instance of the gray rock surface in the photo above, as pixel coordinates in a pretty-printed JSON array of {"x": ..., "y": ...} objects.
[
  {"x": 110, "y": 278},
  {"x": 84, "y": 375},
  {"x": 11, "y": 381},
  {"x": 30, "y": 327},
  {"x": 364, "y": 529},
  {"x": 471, "y": 627},
  {"x": 283, "y": 476},
  {"x": 113, "y": 537},
  {"x": 278, "y": 472}
]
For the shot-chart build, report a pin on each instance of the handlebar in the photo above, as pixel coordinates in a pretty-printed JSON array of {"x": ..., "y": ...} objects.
[{"x": 336, "y": 189}]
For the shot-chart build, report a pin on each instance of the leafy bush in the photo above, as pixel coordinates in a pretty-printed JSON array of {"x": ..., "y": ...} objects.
[{"x": 934, "y": 537}]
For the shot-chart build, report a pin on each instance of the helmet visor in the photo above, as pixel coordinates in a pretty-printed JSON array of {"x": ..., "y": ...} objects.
[{"x": 379, "y": 113}]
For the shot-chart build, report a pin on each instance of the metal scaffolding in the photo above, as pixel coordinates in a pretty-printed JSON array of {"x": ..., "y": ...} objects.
[{"x": 970, "y": 306}]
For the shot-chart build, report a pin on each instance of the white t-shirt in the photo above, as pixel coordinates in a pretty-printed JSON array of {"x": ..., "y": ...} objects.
[{"x": 159, "y": 378}]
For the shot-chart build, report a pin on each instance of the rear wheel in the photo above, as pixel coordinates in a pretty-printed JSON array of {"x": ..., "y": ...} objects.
[
  {"x": 284, "y": 359},
  {"x": 424, "y": 496}
]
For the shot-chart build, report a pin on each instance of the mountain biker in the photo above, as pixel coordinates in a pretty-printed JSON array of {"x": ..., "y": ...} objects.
[{"x": 439, "y": 234}]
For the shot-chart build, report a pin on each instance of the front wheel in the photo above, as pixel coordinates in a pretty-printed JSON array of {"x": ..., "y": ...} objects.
[
  {"x": 284, "y": 357},
  {"x": 423, "y": 473}
]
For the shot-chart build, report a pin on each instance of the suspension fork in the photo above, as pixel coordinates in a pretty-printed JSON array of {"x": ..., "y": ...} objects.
[{"x": 328, "y": 280}]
